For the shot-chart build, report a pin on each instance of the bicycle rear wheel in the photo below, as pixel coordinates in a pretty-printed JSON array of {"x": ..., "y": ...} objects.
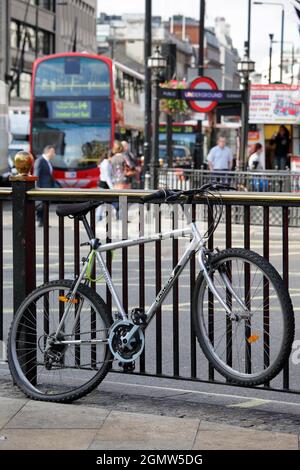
[
  {"x": 251, "y": 347},
  {"x": 75, "y": 365}
]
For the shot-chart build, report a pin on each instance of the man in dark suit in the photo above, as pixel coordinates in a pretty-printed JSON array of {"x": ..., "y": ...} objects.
[{"x": 43, "y": 170}]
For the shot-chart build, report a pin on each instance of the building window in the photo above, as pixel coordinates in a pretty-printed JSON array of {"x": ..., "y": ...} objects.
[
  {"x": 22, "y": 88},
  {"x": 25, "y": 85},
  {"x": 21, "y": 34},
  {"x": 45, "y": 42},
  {"x": 47, "y": 4},
  {"x": 27, "y": 37},
  {"x": 14, "y": 35}
]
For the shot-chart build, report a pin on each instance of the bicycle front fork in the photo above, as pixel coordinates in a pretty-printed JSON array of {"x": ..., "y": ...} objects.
[{"x": 203, "y": 269}]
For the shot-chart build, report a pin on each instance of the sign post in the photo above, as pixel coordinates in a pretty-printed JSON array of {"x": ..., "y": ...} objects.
[{"x": 201, "y": 107}]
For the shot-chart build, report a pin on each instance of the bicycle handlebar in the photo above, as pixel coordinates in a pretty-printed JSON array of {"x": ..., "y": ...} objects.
[{"x": 173, "y": 194}]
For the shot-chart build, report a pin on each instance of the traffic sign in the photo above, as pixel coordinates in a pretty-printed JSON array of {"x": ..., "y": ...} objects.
[
  {"x": 189, "y": 94},
  {"x": 206, "y": 85}
]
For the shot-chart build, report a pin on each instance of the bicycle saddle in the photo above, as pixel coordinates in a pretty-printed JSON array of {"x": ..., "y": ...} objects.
[{"x": 76, "y": 210}]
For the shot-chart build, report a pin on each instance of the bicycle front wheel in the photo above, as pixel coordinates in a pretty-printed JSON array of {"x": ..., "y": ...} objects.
[
  {"x": 249, "y": 345},
  {"x": 67, "y": 369}
]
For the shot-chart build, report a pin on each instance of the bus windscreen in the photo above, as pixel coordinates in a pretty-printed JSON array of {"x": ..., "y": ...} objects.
[{"x": 72, "y": 109}]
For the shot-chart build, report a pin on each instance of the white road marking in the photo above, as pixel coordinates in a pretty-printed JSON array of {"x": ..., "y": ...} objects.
[
  {"x": 250, "y": 404},
  {"x": 198, "y": 392}
]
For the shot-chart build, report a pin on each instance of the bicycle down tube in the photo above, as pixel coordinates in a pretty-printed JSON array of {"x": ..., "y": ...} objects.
[{"x": 197, "y": 244}]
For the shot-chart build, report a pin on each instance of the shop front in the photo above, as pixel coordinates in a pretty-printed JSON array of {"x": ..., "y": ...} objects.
[{"x": 274, "y": 121}]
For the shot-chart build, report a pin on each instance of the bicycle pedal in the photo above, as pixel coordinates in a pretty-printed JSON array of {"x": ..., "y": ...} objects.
[{"x": 127, "y": 366}]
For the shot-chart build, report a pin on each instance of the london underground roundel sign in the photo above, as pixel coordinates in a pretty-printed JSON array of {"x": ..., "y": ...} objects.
[{"x": 203, "y": 83}]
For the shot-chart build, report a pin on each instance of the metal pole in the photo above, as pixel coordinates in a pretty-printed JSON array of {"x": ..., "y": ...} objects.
[
  {"x": 245, "y": 104},
  {"x": 169, "y": 134},
  {"x": 37, "y": 30},
  {"x": 270, "y": 57},
  {"x": 293, "y": 62},
  {"x": 169, "y": 51},
  {"x": 198, "y": 160},
  {"x": 249, "y": 26},
  {"x": 155, "y": 148},
  {"x": 148, "y": 92},
  {"x": 281, "y": 44}
]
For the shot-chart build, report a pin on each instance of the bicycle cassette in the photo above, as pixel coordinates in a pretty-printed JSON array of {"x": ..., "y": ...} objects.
[{"x": 122, "y": 348}]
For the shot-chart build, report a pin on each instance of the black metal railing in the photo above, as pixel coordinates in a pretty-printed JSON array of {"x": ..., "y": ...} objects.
[
  {"x": 171, "y": 349},
  {"x": 269, "y": 181},
  {"x": 256, "y": 180}
]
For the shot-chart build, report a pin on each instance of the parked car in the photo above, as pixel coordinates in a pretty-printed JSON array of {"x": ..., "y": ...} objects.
[{"x": 181, "y": 156}]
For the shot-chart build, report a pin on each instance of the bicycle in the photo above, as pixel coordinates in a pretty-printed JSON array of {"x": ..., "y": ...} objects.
[{"x": 63, "y": 339}]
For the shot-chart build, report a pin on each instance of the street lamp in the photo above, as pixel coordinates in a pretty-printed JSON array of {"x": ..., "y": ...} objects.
[
  {"x": 245, "y": 67},
  {"x": 271, "y": 36},
  {"x": 198, "y": 152},
  {"x": 157, "y": 63},
  {"x": 282, "y": 31}
]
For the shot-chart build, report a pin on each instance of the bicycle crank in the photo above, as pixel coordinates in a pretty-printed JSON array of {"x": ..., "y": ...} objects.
[{"x": 122, "y": 348}]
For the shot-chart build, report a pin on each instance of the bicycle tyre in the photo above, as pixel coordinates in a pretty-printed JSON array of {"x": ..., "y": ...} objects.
[
  {"x": 208, "y": 345},
  {"x": 96, "y": 306}
]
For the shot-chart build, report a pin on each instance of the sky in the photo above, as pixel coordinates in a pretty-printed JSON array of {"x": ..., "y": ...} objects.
[{"x": 265, "y": 20}]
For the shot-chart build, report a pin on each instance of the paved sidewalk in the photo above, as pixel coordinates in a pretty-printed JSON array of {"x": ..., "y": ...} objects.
[{"x": 27, "y": 424}]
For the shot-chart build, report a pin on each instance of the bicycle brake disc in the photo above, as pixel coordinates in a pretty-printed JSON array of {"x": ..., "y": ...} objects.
[{"x": 129, "y": 351}]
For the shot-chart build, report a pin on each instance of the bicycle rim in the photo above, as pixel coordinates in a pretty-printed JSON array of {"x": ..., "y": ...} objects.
[
  {"x": 248, "y": 347},
  {"x": 77, "y": 367}
]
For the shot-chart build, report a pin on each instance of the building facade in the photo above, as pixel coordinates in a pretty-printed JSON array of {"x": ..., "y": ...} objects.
[
  {"x": 122, "y": 38},
  {"x": 220, "y": 57},
  {"x": 229, "y": 56},
  {"x": 34, "y": 28}
]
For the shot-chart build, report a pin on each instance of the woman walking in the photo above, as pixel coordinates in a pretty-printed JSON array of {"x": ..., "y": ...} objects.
[
  {"x": 105, "y": 181},
  {"x": 120, "y": 167}
]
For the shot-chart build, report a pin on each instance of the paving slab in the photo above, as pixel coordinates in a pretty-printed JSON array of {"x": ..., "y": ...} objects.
[
  {"x": 43, "y": 415},
  {"x": 46, "y": 439},
  {"x": 215, "y": 436},
  {"x": 142, "y": 431},
  {"x": 9, "y": 408}
]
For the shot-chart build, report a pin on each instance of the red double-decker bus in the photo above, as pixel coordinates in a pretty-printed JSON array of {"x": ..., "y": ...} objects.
[{"x": 72, "y": 107}]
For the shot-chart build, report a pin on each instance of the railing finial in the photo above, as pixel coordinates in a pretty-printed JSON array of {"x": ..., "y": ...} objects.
[{"x": 24, "y": 162}]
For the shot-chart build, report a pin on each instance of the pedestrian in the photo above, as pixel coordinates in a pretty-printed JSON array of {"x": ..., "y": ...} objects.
[
  {"x": 220, "y": 157},
  {"x": 131, "y": 170},
  {"x": 281, "y": 139},
  {"x": 130, "y": 155},
  {"x": 105, "y": 167},
  {"x": 105, "y": 180},
  {"x": 44, "y": 171},
  {"x": 120, "y": 165},
  {"x": 256, "y": 161}
]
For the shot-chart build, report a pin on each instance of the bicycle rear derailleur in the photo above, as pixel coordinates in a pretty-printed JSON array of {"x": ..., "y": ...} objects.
[{"x": 54, "y": 352}]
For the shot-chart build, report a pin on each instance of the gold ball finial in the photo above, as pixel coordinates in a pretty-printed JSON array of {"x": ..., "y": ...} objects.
[{"x": 24, "y": 162}]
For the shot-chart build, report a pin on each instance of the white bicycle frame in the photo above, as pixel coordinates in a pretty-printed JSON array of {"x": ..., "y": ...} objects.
[{"x": 197, "y": 245}]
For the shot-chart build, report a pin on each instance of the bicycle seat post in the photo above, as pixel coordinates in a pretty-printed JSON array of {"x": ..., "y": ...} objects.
[{"x": 87, "y": 227}]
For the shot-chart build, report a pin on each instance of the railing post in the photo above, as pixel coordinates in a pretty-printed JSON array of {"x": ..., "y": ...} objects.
[
  {"x": 24, "y": 259},
  {"x": 23, "y": 241},
  {"x": 23, "y": 210}
]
